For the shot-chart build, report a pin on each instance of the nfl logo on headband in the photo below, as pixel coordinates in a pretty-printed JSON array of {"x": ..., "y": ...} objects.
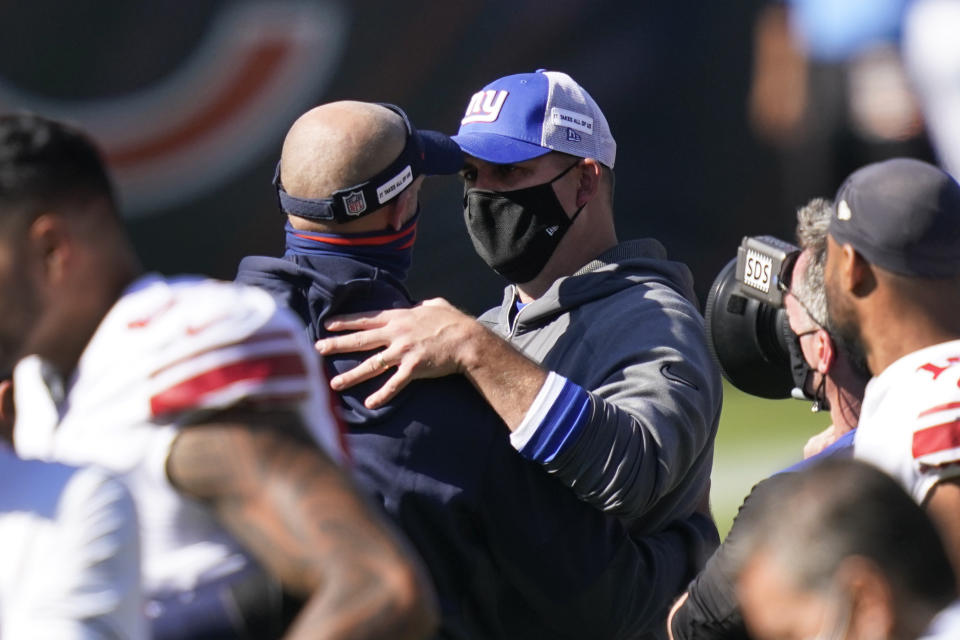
[
  {"x": 424, "y": 153},
  {"x": 355, "y": 203}
]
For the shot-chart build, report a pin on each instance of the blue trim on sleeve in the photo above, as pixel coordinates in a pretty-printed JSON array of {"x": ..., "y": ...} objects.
[
  {"x": 841, "y": 448},
  {"x": 563, "y": 423}
]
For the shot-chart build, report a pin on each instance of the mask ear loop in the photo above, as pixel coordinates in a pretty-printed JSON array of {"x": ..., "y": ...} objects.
[{"x": 560, "y": 175}]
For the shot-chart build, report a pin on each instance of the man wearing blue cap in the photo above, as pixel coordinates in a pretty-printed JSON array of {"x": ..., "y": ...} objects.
[
  {"x": 513, "y": 553},
  {"x": 596, "y": 360},
  {"x": 892, "y": 277}
]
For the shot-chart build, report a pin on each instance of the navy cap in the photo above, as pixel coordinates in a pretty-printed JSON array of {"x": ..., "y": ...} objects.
[
  {"x": 424, "y": 153},
  {"x": 527, "y": 115},
  {"x": 902, "y": 215}
]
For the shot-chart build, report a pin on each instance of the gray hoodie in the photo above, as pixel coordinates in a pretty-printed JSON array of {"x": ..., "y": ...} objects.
[{"x": 626, "y": 328}]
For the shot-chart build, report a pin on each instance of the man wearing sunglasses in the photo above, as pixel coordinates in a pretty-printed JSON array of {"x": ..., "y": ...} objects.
[{"x": 833, "y": 377}]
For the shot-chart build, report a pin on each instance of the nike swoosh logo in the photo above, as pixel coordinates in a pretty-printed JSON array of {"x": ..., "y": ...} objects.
[
  {"x": 670, "y": 374},
  {"x": 193, "y": 330},
  {"x": 140, "y": 323}
]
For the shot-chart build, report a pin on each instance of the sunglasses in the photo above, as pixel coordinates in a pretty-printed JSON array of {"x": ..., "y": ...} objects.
[{"x": 785, "y": 276}]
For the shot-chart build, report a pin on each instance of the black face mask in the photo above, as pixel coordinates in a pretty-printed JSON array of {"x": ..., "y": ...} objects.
[{"x": 516, "y": 232}]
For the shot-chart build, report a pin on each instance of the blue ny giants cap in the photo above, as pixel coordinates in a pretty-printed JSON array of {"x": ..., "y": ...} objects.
[
  {"x": 527, "y": 115},
  {"x": 902, "y": 215}
]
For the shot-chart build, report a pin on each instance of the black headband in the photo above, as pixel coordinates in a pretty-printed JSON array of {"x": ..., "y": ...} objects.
[{"x": 366, "y": 197}]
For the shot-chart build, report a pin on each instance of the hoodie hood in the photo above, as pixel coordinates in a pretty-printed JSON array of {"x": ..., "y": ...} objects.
[
  {"x": 316, "y": 287},
  {"x": 630, "y": 263}
]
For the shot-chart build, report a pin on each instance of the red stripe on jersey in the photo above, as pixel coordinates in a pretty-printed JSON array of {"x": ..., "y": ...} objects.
[
  {"x": 190, "y": 393},
  {"x": 938, "y": 408},
  {"x": 941, "y": 437},
  {"x": 265, "y": 336}
]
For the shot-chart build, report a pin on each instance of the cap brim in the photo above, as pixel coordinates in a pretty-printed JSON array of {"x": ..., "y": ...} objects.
[
  {"x": 498, "y": 149},
  {"x": 441, "y": 155}
]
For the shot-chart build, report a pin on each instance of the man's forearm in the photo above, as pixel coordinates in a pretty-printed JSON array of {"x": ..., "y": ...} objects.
[{"x": 507, "y": 379}]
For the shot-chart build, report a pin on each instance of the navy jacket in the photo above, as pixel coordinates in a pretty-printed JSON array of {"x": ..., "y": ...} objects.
[{"x": 512, "y": 552}]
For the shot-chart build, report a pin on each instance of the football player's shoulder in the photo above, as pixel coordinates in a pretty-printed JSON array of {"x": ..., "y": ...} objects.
[
  {"x": 201, "y": 303},
  {"x": 188, "y": 310},
  {"x": 211, "y": 343},
  {"x": 923, "y": 402}
]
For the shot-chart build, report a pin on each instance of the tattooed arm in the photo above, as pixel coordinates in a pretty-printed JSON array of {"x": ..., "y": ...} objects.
[{"x": 293, "y": 508}]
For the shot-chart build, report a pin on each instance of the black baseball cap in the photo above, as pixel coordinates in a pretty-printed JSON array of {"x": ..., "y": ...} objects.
[{"x": 902, "y": 215}]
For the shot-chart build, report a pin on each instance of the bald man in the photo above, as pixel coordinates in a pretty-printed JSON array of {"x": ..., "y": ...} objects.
[{"x": 513, "y": 553}]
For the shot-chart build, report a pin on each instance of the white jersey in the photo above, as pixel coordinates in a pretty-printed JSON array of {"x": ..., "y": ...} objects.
[
  {"x": 169, "y": 353},
  {"x": 910, "y": 420},
  {"x": 946, "y": 624},
  {"x": 69, "y": 553}
]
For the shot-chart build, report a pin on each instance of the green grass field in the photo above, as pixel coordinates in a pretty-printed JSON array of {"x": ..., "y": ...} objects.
[{"x": 756, "y": 438}]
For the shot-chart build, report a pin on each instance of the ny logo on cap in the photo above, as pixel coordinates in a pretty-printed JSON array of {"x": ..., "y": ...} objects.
[
  {"x": 484, "y": 106},
  {"x": 355, "y": 203}
]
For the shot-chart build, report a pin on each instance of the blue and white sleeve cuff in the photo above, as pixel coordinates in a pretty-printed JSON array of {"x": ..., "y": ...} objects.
[{"x": 556, "y": 418}]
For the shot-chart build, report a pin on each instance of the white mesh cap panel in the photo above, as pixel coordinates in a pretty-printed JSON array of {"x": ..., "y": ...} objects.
[{"x": 574, "y": 124}]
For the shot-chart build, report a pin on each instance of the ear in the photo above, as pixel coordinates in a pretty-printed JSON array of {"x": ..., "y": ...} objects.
[
  {"x": 590, "y": 175},
  {"x": 49, "y": 239},
  {"x": 873, "y": 607},
  {"x": 395, "y": 216},
  {"x": 825, "y": 351},
  {"x": 856, "y": 273}
]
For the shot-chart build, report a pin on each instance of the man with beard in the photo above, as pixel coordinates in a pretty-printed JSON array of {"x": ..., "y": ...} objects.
[
  {"x": 597, "y": 358},
  {"x": 892, "y": 281}
]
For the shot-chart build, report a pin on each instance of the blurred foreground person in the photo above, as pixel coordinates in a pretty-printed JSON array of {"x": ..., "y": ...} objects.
[
  {"x": 513, "y": 553},
  {"x": 204, "y": 397},
  {"x": 69, "y": 550},
  {"x": 840, "y": 551},
  {"x": 931, "y": 51}
]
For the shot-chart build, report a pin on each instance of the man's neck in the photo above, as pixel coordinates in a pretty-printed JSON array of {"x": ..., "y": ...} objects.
[
  {"x": 847, "y": 413},
  {"x": 530, "y": 291},
  {"x": 66, "y": 354}
]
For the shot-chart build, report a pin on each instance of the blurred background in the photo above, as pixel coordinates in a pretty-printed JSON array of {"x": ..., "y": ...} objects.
[{"x": 728, "y": 115}]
